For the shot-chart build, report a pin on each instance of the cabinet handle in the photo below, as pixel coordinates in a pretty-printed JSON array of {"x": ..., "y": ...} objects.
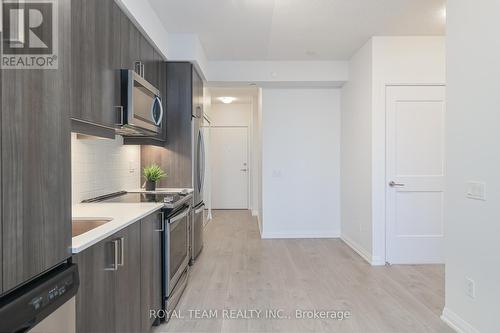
[
  {"x": 122, "y": 251},
  {"x": 120, "y": 115},
  {"x": 162, "y": 214},
  {"x": 115, "y": 259},
  {"x": 139, "y": 68}
]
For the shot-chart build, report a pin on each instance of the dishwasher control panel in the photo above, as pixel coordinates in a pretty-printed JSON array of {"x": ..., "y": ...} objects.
[{"x": 29, "y": 304}]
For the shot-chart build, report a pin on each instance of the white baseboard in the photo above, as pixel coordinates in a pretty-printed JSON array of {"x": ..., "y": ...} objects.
[
  {"x": 255, "y": 213},
  {"x": 372, "y": 260},
  {"x": 327, "y": 234},
  {"x": 457, "y": 323}
]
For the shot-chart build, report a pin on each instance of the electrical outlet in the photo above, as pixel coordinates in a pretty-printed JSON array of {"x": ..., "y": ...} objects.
[
  {"x": 131, "y": 167},
  {"x": 470, "y": 286}
]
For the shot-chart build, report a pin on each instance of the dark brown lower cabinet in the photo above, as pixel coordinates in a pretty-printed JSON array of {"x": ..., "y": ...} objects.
[
  {"x": 151, "y": 228},
  {"x": 120, "y": 280},
  {"x": 128, "y": 280},
  {"x": 95, "y": 301}
]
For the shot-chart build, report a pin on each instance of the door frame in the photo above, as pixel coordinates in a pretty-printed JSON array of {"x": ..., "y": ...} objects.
[
  {"x": 249, "y": 154},
  {"x": 386, "y": 235}
]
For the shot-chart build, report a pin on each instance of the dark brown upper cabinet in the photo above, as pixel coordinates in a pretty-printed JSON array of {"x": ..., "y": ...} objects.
[
  {"x": 95, "y": 51},
  {"x": 184, "y": 97},
  {"x": 105, "y": 40},
  {"x": 150, "y": 62},
  {"x": 130, "y": 45},
  {"x": 36, "y": 165}
]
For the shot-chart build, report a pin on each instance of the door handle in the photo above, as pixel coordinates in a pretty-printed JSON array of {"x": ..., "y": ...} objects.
[
  {"x": 119, "y": 115},
  {"x": 122, "y": 251},
  {"x": 243, "y": 169},
  {"x": 392, "y": 183},
  {"x": 114, "y": 267},
  {"x": 162, "y": 216}
]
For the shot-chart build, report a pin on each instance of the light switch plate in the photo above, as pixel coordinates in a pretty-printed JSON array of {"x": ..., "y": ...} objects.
[{"x": 476, "y": 190}]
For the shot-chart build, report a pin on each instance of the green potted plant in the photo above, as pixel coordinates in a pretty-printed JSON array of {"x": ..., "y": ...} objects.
[{"x": 153, "y": 173}]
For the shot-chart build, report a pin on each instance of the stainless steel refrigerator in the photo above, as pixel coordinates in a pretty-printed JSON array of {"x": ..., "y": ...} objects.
[{"x": 198, "y": 182}]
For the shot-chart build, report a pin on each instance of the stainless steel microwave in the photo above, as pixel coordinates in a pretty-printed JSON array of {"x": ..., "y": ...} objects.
[{"x": 141, "y": 113}]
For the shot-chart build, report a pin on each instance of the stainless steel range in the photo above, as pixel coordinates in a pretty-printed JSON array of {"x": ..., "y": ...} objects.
[{"x": 175, "y": 237}]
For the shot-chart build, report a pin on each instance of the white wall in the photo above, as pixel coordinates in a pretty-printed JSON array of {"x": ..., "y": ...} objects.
[
  {"x": 301, "y": 163},
  {"x": 473, "y": 141},
  {"x": 256, "y": 157},
  {"x": 103, "y": 166},
  {"x": 231, "y": 114},
  {"x": 260, "y": 216},
  {"x": 356, "y": 153}
]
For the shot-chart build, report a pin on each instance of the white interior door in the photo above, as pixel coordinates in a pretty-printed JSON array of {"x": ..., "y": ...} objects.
[
  {"x": 229, "y": 167},
  {"x": 415, "y": 174}
]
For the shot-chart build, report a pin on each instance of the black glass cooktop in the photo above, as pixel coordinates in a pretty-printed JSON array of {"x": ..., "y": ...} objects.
[
  {"x": 170, "y": 200},
  {"x": 145, "y": 197}
]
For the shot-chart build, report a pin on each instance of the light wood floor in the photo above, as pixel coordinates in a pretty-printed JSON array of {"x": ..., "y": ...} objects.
[{"x": 238, "y": 270}]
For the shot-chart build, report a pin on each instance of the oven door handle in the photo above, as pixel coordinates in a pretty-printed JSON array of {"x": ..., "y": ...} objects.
[
  {"x": 174, "y": 221},
  {"x": 199, "y": 210}
]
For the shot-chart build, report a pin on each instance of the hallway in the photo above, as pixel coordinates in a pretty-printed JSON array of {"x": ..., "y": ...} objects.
[{"x": 239, "y": 271}]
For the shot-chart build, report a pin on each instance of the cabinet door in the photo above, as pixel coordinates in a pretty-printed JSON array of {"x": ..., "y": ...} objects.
[
  {"x": 95, "y": 300},
  {"x": 149, "y": 61},
  {"x": 151, "y": 228},
  {"x": 95, "y": 50},
  {"x": 130, "y": 45},
  {"x": 36, "y": 164},
  {"x": 128, "y": 281}
]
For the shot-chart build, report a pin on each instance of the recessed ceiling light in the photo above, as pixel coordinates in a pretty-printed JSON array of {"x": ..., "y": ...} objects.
[{"x": 227, "y": 99}]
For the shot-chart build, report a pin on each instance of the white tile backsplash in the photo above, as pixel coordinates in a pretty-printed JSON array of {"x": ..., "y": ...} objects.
[{"x": 103, "y": 166}]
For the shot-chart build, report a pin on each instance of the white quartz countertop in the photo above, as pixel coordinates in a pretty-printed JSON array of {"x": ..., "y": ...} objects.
[{"x": 122, "y": 215}]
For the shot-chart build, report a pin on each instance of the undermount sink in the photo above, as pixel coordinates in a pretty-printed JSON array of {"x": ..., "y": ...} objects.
[{"x": 81, "y": 226}]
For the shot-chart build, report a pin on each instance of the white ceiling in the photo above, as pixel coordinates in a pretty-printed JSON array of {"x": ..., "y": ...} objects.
[{"x": 296, "y": 29}]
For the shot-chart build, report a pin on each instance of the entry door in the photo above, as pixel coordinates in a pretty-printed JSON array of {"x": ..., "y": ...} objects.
[
  {"x": 415, "y": 174},
  {"x": 229, "y": 147}
]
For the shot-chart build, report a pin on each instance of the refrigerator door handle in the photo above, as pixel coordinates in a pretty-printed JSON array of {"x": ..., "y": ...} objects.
[
  {"x": 202, "y": 171},
  {"x": 198, "y": 158}
]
